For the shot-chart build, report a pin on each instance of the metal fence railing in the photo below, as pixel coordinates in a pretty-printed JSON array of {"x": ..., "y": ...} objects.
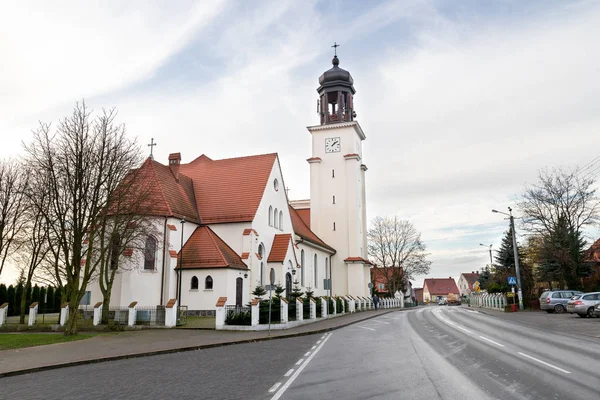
[
  {"x": 238, "y": 315},
  {"x": 150, "y": 316},
  {"x": 118, "y": 315},
  {"x": 182, "y": 312}
]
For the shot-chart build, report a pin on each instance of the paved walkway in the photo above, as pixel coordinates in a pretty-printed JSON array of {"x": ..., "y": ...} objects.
[{"x": 106, "y": 347}]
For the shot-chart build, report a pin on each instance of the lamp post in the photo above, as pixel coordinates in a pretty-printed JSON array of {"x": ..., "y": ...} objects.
[
  {"x": 180, "y": 264},
  {"x": 516, "y": 253},
  {"x": 490, "y": 246}
]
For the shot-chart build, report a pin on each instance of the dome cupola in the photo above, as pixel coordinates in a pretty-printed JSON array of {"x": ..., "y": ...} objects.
[{"x": 336, "y": 103}]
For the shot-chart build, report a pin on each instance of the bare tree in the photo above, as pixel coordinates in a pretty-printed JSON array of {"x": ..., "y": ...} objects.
[
  {"x": 557, "y": 198},
  {"x": 123, "y": 226},
  {"x": 12, "y": 204},
  {"x": 80, "y": 166},
  {"x": 557, "y": 209},
  {"x": 35, "y": 246},
  {"x": 396, "y": 247}
]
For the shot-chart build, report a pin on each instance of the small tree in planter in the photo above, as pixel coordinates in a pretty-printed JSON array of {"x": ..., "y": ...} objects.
[
  {"x": 259, "y": 292},
  {"x": 309, "y": 294}
]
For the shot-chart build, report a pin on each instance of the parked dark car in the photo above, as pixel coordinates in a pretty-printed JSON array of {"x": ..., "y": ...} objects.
[{"x": 556, "y": 300}]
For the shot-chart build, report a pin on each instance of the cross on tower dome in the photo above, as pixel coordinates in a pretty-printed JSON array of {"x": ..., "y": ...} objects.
[{"x": 336, "y": 91}]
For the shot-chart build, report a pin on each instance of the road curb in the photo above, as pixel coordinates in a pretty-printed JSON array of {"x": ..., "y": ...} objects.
[{"x": 186, "y": 348}]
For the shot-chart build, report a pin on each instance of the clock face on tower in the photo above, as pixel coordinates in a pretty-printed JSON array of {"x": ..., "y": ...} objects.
[{"x": 332, "y": 145}]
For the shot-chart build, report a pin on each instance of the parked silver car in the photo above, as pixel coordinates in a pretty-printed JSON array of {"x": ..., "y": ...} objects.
[
  {"x": 583, "y": 304},
  {"x": 556, "y": 300}
]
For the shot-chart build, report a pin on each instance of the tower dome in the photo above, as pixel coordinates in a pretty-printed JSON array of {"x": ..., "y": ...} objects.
[{"x": 336, "y": 91}]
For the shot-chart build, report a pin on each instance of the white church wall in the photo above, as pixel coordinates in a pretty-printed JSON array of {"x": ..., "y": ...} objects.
[
  {"x": 342, "y": 178},
  {"x": 203, "y": 298},
  {"x": 232, "y": 234},
  {"x": 174, "y": 243}
]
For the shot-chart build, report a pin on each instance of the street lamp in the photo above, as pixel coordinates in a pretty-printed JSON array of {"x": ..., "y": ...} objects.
[
  {"x": 180, "y": 263},
  {"x": 490, "y": 246},
  {"x": 516, "y": 253}
]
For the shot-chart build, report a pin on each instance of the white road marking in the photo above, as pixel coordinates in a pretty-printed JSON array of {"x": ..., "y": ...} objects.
[
  {"x": 289, "y": 372},
  {"x": 274, "y": 387},
  {"x": 381, "y": 322},
  {"x": 300, "y": 361},
  {"x": 544, "y": 362},
  {"x": 463, "y": 329},
  {"x": 314, "y": 347},
  {"x": 318, "y": 341},
  {"x": 491, "y": 341},
  {"x": 298, "y": 371},
  {"x": 307, "y": 354},
  {"x": 364, "y": 327}
]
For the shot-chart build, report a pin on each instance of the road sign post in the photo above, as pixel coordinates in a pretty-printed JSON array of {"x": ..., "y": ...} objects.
[{"x": 272, "y": 282}]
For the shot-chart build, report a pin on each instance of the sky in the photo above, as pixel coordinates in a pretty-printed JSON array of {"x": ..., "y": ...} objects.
[{"x": 462, "y": 102}]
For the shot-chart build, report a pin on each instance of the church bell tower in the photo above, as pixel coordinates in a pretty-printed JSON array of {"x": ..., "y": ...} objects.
[{"x": 337, "y": 182}]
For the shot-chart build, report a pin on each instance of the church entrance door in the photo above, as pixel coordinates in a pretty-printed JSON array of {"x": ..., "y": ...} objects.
[
  {"x": 288, "y": 285},
  {"x": 239, "y": 287}
]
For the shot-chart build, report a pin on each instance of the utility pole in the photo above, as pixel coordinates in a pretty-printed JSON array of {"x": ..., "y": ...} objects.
[{"x": 516, "y": 252}]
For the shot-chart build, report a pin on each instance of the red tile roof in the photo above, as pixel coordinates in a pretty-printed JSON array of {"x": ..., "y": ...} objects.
[
  {"x": 248, "y": 231},
  {"x": 358, "y": 259},
  {"x": 173, "y": 253},
  {"x": 245, "y": 256},
  {"x": 304, "y": 214},
  {"x": 229, "y": 190},
  {"x": 593, "y": 253},
  {"x": 171, "y": 227},
  {"x": 204, "y": 249},
  {"x": 471, "y": 278},
  {"x": 440, "y": 286},
  {"x": 302, "y": 230},
  {"x": 167, "y": 197},
  {"x": 281, "y": 243}
]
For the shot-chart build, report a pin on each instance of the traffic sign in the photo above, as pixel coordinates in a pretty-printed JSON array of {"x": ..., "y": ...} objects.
[{"x": 512, "y": 280}]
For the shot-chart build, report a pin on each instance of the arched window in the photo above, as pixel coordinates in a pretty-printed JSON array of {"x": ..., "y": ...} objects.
[
  {"x": 281, "y": 220},
  {"x": 302, "y": 267},
  {"x": 316, "y": 272},
  {"x": 275, "y": 219},
  {"x": 270, "y": 215},
  {"x": 194, "y": 285},
  {"x": 262, "y": 264},
  {"x": 150, "y": 253},
  {"x": 208, "y": 283},
  {"x": 272, "y": 273}
]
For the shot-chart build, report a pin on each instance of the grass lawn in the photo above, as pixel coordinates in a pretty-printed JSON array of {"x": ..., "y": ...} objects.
[
  {"x": 199, "y": 322},
  {"x": 20, "y": 340}
]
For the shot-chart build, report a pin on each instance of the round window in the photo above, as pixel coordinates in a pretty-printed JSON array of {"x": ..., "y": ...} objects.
[{"x": 276, "y": 184}]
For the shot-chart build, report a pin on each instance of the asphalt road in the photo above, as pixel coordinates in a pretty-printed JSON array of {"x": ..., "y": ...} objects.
[{"x": 434, "y": 353}]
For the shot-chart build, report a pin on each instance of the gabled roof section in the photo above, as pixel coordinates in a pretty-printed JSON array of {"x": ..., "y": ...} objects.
[
  {"x": 302, "y": 230},
  {"x": 205, "y": 249},
  {"x": 229, "y": 190},
  {"x": 281, "y": 243},
  {"x": 471, "y": 278},
  {"x": 166, "y": 196},
  {"x": 440, "y": 286},
  {"x": 593, "y": 253}
]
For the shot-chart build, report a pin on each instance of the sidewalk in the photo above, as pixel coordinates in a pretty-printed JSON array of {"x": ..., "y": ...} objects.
[{"x": 152, "y": 342}]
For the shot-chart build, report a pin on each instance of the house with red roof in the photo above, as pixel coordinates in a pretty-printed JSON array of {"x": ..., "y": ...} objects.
[
  {"x": 435, "y": 289},
  {"x": 223, "y": 226},
  {"x": 466, "y": 282}
]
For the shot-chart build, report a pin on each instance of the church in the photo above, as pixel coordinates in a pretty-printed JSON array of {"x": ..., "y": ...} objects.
[{"x": 227, "y": 225}]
